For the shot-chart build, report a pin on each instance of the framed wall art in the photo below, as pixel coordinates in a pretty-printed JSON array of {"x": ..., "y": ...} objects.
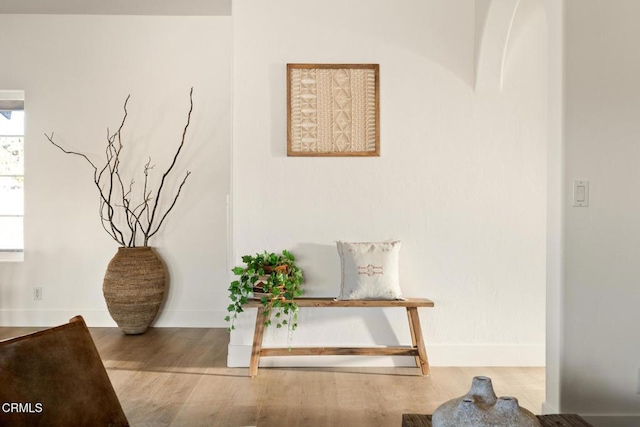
[{"x": 333, "y": 110}]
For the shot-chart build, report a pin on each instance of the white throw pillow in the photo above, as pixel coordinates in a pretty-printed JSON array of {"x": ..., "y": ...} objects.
[{"x": 370, "y": 270}]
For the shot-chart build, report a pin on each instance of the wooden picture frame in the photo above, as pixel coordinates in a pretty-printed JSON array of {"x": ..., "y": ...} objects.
[{"x": 333, "y": 110}]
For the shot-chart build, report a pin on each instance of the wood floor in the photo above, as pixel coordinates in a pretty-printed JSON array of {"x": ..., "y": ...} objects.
[{"x": 178, "y": 377}]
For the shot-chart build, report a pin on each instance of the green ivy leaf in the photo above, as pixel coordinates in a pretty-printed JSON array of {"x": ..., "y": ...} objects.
[{"x": 278, "y": 285}]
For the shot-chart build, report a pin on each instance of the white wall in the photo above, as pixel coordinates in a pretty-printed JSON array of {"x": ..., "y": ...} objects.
[
  {"x": 461, "y": 178},
  {"x": 601, "y": 349},
  {"x": 76, "y": 72},
  {"x": 461, "y": 173},
  {"x": 555, "y": 208}
]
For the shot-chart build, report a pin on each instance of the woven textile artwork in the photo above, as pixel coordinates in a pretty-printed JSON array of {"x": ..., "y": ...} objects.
[{"x": 333, "y": 111}]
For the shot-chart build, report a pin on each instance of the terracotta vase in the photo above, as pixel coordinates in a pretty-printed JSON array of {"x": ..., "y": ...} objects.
[
  {"x": 134, "y": 287},
  {"x": 481, "y": 408}
]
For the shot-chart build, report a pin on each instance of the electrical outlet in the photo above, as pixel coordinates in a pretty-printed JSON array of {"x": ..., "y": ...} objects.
[{"x": 37, "y": 294}]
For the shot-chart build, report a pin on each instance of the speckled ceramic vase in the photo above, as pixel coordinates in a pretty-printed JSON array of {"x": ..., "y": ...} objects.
[{"x": 481, "y": 408}]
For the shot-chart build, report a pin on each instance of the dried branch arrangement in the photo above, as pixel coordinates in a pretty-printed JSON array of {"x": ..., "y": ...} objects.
[{"x": 123, "y": 218}]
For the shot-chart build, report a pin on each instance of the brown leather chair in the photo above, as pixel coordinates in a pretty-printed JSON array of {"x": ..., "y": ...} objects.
[{"x": 55, "y": 377}]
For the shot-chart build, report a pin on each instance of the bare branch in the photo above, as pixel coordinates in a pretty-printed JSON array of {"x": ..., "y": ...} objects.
[
  {"x": 147, "y": 237},
  {"x": 50, "y": 138},
  {"x": 164, "y": 176},
  {"x": 104, "y": 220},
  {"x": 114, "y": 195}
]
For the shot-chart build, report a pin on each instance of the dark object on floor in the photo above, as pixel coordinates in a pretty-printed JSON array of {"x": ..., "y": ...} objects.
[
  {"x": 555, "y": 420},
  {"x": 55, "y": 377}
]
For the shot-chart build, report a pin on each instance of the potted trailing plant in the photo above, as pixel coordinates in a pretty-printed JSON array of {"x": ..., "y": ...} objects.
[
  {"x": 135, "y": 280},
  {"x": 273, "y": 278}
]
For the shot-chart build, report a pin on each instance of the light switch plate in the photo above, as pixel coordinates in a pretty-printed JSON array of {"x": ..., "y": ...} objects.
[{"x": 581, "y": 193}]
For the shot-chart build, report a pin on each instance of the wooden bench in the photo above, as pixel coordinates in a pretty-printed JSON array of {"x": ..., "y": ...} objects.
[{"x": 417, "y": 349}]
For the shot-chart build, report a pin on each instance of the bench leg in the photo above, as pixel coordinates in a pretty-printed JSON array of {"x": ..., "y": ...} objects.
[
  {"x": 257, "y": 342},
  {"x": 417, "y": 340},
  {"x": 413, "y": 336}
]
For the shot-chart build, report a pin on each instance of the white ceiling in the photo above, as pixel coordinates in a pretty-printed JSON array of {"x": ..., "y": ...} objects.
[{"x": 118, "y": 7}]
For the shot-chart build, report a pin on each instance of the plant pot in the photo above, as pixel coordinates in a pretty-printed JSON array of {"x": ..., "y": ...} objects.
[
  {"x": 133, "y": 287},
  {"x": 258, "y": 286},
  {"x": 278, "y": 269}
]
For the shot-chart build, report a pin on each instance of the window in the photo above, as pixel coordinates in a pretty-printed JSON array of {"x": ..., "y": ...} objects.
[{"x": 11, "y": 175}]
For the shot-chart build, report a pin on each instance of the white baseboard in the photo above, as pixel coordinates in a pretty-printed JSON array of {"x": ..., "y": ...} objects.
[
  {"x": 439, "y": 355},
  {"x": 486, "y": 354},
  {"x": 101, "y": 318}
]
